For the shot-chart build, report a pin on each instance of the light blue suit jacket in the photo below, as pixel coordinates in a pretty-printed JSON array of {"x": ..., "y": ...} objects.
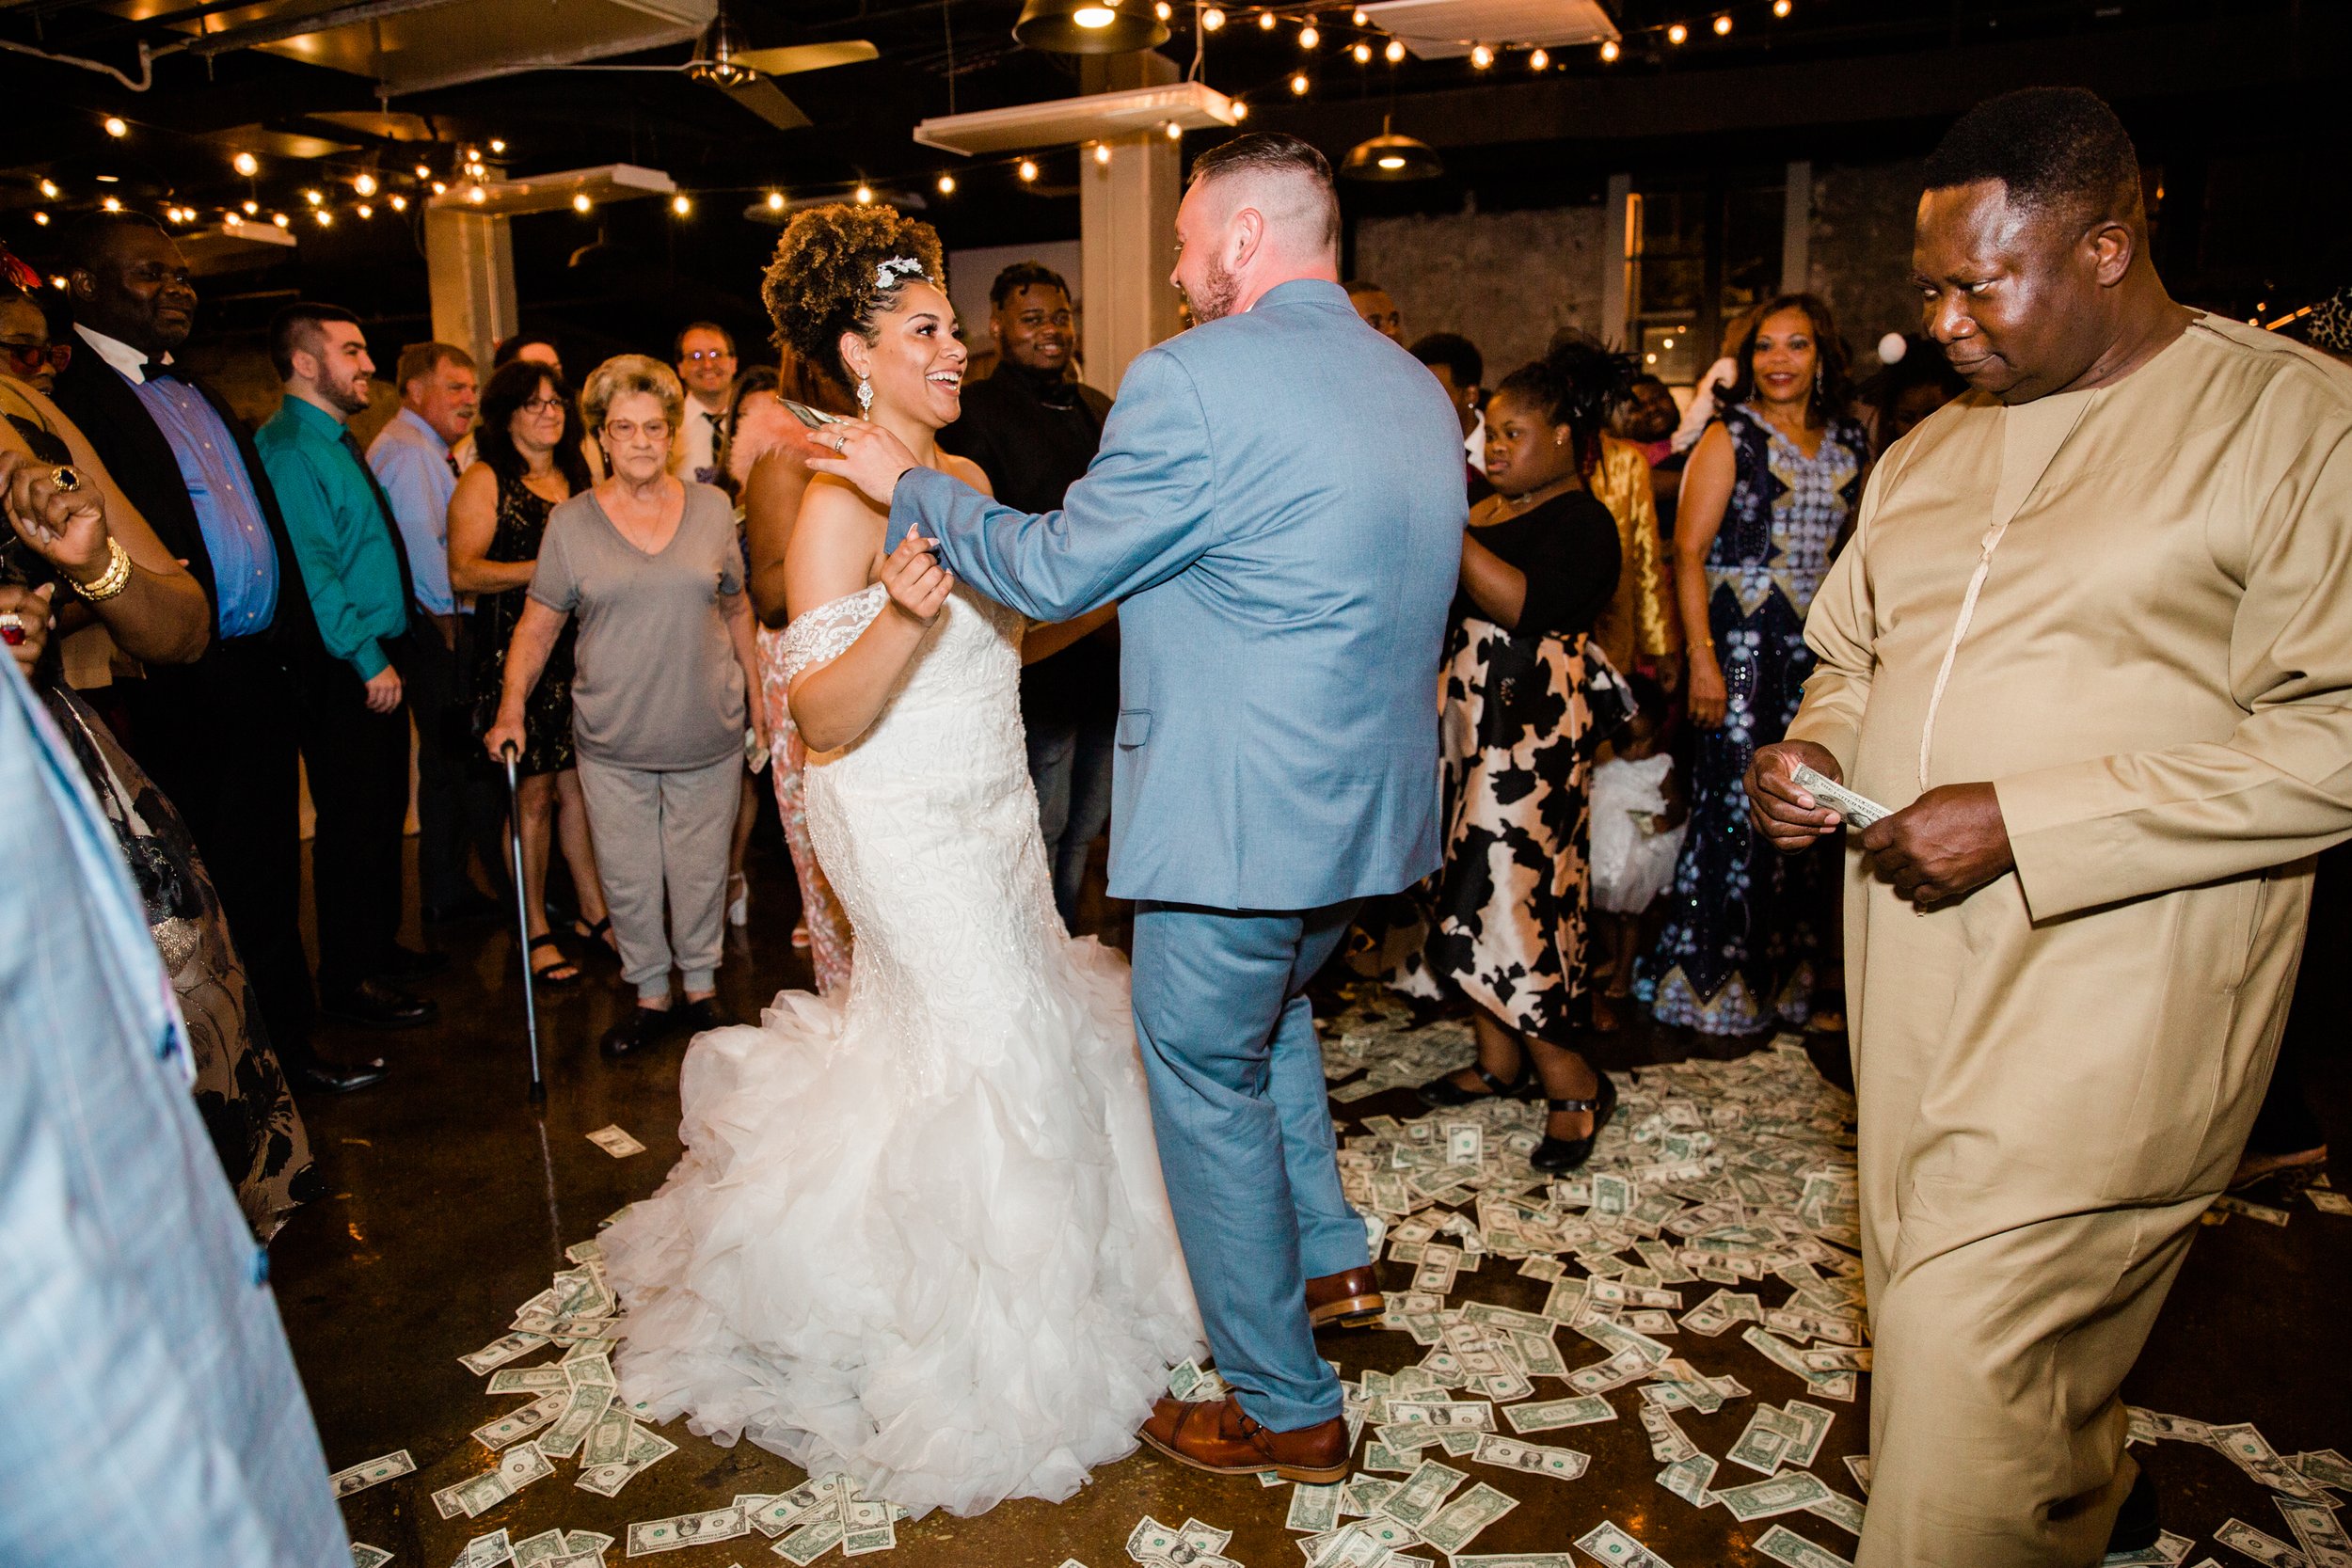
[{"x": 1278, "y": 506}]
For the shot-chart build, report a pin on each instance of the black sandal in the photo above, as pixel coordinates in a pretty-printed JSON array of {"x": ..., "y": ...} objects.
[
  {"x": 1444, "y": 1094},
  {"x": 601, "y": 931},
  {"x": 547, "y": 975},
  {"x": 1566, "y": 1154}
]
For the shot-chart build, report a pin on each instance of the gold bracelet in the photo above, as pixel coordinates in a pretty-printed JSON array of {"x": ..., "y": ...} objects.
[{"x": 113, "y": 581}]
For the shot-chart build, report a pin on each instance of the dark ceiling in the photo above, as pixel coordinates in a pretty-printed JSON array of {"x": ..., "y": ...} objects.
[{"x": 2247, "y": 80}]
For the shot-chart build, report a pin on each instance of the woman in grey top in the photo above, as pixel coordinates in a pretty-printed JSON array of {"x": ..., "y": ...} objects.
[{"x": 650, "y": 566}]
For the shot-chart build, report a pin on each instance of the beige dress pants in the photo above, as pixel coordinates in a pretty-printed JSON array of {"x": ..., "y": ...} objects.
[{"x": 663, "y": 837}]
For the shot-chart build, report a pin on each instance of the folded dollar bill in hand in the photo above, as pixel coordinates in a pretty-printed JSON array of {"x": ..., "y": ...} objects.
[{"x": 1859, "y": 811}]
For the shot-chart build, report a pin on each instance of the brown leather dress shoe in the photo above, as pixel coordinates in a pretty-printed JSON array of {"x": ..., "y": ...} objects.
[
  {"x": 1219, "y": 1439},
  {"x": 1349, "y": 1300}
]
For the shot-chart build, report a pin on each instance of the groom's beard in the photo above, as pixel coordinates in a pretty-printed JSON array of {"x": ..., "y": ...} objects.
[{"x": 1216, "y": 295}]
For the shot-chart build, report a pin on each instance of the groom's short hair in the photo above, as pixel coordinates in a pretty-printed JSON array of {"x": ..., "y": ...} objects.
[{"x": 1278, "y": 153}]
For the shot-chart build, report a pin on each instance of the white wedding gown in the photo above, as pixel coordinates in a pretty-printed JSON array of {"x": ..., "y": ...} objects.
[{"x": 919, "y": 1234}]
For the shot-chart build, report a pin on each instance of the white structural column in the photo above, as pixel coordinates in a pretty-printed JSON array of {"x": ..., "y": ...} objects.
[
  {"x": 1796, "y": 230},
  {"x": 1127, "y": 247},
  {"x": 1616, "y": 262},
  {"x": 470, "y": 261}
]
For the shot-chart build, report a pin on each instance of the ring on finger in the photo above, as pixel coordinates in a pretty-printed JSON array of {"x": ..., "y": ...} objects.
[{"x": 11, "y": 628}]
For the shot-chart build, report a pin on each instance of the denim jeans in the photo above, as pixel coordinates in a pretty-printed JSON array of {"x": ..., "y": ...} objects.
[{"x": 1070, "y": 762}]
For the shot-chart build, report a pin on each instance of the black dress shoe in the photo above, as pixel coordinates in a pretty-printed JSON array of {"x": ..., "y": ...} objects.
[
  {"x": 473, "y": 906},
  {"x": 642, "y": 1030},
  {"x": 378, "y": 1006},
  {"x": 1565, "y": 1155},
  {"x": 406, "y": 963},
  {"x": 1444, "y": 1094},
  {"x": 695, "y": 1017},
  {"x": 324, "y": 1077},
  {"x": 2137, "y": 1527}
]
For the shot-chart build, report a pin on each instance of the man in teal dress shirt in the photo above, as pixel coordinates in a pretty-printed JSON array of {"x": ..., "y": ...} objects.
[{"x": 353, "y": 723}]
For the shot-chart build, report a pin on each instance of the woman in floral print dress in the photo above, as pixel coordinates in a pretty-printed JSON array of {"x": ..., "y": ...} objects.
[{"x": 1770, "y": 489}]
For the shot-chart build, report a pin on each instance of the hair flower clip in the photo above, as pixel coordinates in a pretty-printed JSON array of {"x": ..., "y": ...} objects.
[{"x": 889, "y": 274}]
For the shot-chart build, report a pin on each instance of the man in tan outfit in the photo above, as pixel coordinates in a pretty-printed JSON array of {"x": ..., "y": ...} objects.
[{"x": 2094, "y": 637}]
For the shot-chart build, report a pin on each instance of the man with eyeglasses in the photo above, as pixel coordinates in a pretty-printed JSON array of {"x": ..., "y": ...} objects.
[
  {"x": 705, "y": 362},
  {"x": 217, "y": 737}
]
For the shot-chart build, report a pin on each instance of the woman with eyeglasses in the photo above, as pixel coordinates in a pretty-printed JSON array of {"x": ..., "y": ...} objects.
[
  {"x": 649, "y": 567},
  {"x": 26, "y": 351},
  {"x": 528, "y": 444}
]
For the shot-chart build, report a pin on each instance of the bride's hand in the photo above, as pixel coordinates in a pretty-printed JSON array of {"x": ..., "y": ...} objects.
[{"x": 918, "y": 584}]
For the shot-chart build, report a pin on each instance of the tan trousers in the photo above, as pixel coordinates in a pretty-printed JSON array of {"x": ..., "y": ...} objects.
[{"x": 2045, "y": 1111}]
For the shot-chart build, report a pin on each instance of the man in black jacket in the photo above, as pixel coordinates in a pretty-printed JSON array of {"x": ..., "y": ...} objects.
[
  {"x": 1033, "y": 428},
  {"x": 217, "y": 735}
]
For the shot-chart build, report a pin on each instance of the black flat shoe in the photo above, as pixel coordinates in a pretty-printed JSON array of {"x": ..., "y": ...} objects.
[
  {"x": 696, "y": 1017},
  {"x": 2137, "y": 1527},
  {"x": 643, "y": 1030},
  {"x": 324, "y": 1077},
  {"x": 1444, "y": 1094},
  {"x": 1566, "y": 1154},
  {"x": 406, "y": 963},
  {"x": 374, "y": 1005}
]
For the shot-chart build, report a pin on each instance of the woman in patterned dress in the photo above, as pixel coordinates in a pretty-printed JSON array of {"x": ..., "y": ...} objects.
[
  {"x": 1509, "y": 928},
  {"x": 1771, "y": 488},
  {"x": 529, "y": 443}
]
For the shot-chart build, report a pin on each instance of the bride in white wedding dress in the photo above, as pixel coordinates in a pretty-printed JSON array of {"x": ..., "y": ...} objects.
[{"x": 919, "y": 1234}]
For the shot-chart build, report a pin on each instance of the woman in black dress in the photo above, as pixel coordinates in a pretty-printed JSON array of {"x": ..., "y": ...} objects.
[
  {"x": 529, "y": 447},
  {"x": 1540, "y": 564}
]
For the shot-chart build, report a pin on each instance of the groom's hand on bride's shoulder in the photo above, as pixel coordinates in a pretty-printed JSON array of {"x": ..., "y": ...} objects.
[
  {"x": 865, "y": 454},
  {"x": 917, "y": 582}
]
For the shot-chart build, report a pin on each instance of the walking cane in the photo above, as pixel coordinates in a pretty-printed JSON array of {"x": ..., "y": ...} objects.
[{"x": 508, "y": 754}]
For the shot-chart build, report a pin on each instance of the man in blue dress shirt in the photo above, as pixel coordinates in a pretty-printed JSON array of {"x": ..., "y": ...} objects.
[
  {"x": 217, "y": 737},
  {"x": 353, "y": 720},
  {"x": 154, "y": 1414},
  {"x": 413, "y": 459}
]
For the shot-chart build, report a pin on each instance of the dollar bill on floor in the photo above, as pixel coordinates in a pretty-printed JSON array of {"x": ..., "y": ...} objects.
[
  {"x": 2253, "y": 1453},
  {"x": 650, "y": 1536},
  {"x": 868, "y": 1528},
  {"x": 1461, "y": 1520},
  {"x": 1313, "y": 1509},
  {"x": 1613, "y": 1547},
  {"x": 1532, "y": 1459},
  {"x": 1841, "y": 1511},
  {"x": 1783, "y": 1544},
  {"x": 2317, "y": 1530},
  {"x": 2325, "y": 1467},
  {"x": 2328, "y": 1203},
  {"x": 1688, "y": 1478},
  {"x": 2262, "y": 1211},
  {"x": 1783, "y": 1494},
  {"x": 485, "y": 1551},
  {"x": 499, "y": 1352},
  {"x": 1551, "y": 1414},
  {"x": 1423, "y": 1492},
  {"x": 615, "y": 1142},
  {"x": 1859, "y": 1464},
  {"x": 810, "y": 1542},
  {"x": 2169, "y": 1549},
  {"x": 533, "y": 1550},
  {"x": 360, "y": 1476},
  {"x": 2268, "y": 1550},
  {"x": 365, "y": 1556}
]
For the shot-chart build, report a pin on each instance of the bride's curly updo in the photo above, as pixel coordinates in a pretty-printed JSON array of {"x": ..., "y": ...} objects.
[{"x": 830, "y": 275}]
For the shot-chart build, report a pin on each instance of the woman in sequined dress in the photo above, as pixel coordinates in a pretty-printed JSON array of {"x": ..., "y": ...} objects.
[{"x": 1770, "y": 489}]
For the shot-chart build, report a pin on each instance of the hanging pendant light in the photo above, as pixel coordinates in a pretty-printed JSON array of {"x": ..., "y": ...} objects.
[
  {"x": 1389, "y": 156},
  {"x": 1090, "y": 26},
  {"x": 715, "y": 55}
]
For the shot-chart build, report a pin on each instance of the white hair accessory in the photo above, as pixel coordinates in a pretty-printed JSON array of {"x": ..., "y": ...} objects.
[{"x": 889, "y": 274}]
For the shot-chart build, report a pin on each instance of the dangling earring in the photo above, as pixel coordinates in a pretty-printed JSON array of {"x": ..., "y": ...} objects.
[{"x": 864, "y": 396}]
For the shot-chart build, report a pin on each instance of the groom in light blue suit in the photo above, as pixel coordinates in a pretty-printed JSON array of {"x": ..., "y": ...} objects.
[{"x": 1277, "y": 507}]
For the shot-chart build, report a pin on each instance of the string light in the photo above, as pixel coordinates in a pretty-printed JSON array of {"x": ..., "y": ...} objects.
[
  {"x": 1308, "y": 37},
  {"x": 681, "y": 204},
  {"x": 1102, "y": 152},
  {"x": 1539, "y": 61},
  {"x": 365, "y": 184},
  {"x": 865, "y": 195},
  {"x": 776, "y": 201},
  {"x": 56, "y": 282},
  {"x": 498, "y": 146},
  {"x": 947, "y": 185},
  {"x": 1027, "y": 171},
  {"x": 1265, "y": 21},
  {"x": 1609, "y": 50},
  {"x": 1362, "y": 53},
  {"x": 365, "y": 211},
  {"x": 1780, "y": 7},
  {"x": 1357, "y": 17},
  {"x": 476, "y": 194},
  {"x": 1395, "y": 52},
  {"x": 1212, "y": 19},
  {"x": 280, "y": 219},
  {"x": 314, "y": 198},
  {"x": 1722, "y": 25},
  {"x": 424, "y": 171},
  {"x": 245, "y": 163},
  {"x": 41, "y": 218},
  {"x": 1481, "y": 56},
  {"x": 1163, "y": 10},
  {"x": 439, "y": 188},
  {"x": 399, "y": 203},
  {"x": 326, "y": 219},
  {"x": 581, "y": 202},
  {"x": 1175, "y": 132},
  {"x": 1298, "y": 84},
  {"x": 253, "y": 209},
  {"x": 1241, "y": 111},
  {"x": 117, "y": 126},
  {"x": 112, "y": 204},
  {"x": 1676, "y": 33},
  {"x": 49, "y": 189}
]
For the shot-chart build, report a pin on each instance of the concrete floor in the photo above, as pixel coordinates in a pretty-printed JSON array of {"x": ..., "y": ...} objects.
[{"x": 451, "y": 1200}]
